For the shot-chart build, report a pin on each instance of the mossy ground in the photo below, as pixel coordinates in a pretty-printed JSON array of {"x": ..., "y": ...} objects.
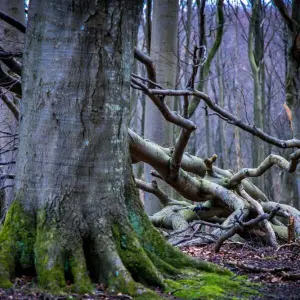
[{"x": 210, "y": 286}]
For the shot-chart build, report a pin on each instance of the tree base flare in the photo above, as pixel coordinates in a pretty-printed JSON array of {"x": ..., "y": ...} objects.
[{"x": 133, "y": 259}]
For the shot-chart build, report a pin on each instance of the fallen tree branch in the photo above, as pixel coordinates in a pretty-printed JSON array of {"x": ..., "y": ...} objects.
[
  {"x": 154, "y": 189},
  {"x": 285, "y": 211},
  {"x": 240, "y": 225},
  {"x": 191, "y": 188},
  {"x": 13, "y": 22},
  {"x": 200, "y": 222},
  {"x": 270, "y": 161},
  {"x": 291, "y": 276},
  {"x": 269, "y": 230},
  {"x": 288, "y": 245},
  {"x": 257, "y": 269},
  {"x": 188, "y": 238}
]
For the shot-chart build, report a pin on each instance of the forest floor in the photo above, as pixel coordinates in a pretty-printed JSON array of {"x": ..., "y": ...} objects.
[
  {"x": 273, "y": 269},
  {"x": 260, "y": 264}
]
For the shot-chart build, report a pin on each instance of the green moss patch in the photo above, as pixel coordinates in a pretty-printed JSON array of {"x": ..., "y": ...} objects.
[
  {"x": 16, "y": 242},
  {"x": 135, "y": 258},
  {"x": 210, "y": 286}
]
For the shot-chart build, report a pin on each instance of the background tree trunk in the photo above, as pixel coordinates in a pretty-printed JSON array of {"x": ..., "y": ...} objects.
[
  {"x": 255, "y": 52},
  {"x": 163, "y": 53},
  {"x": 12, "y": 40},
  {"x": 292, "y": 82}
]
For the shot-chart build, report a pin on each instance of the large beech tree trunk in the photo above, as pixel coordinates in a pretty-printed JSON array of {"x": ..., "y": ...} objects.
[
  {"x": 74, "y": 194},
  {"x": 72, "y": 160}
]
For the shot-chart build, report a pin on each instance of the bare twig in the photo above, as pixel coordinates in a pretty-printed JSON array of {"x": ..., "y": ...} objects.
[
  {"x": 5, "y": 187},
  {"x": 10, "y": 83},
  {"x": 169, "y": 115},
  {"x": 239, "y": 226},
  {"x": 147, "y": 80},
  {"x": 234, "y": 120},
  {"x": 7, "y": 163},
  {"x": 288, "y": 245},
  {"x": 178, "y": 153},
  {"x": 13, "y": 22},
  {"x": 12, "y": 107},
  {"x": 291, "y": 276},
  {"x": 156, "y": 174},
  {"x": 154, "y": 189},
  {"x": 148, "y": 62},
  {"x": 7, "y": 176}
]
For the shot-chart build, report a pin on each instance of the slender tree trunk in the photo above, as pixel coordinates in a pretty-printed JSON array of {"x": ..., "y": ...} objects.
[
  {"x": 270, "y": 180},
  {"x": 188, "y": 27},
  {"x": 255, "y": 53},
  {"x": 163, "y": 53},
  {"x": 14, "y": 42},
  {"x": 237, "y": 135},
  {"x": 224, "y": 153},
  {"x": 293, "y": 96},
  {"x": 148, "y": 25},
  {"x": 292, "y": 84}
]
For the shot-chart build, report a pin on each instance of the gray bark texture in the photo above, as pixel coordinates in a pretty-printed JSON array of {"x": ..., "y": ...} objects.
[{"x": 73, "y": 124}]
